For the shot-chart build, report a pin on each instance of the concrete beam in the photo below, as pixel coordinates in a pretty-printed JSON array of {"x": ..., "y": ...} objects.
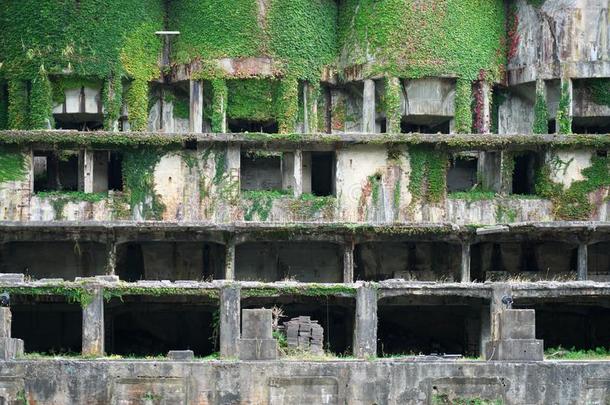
[
  {"x": 465, "y": 263},
  {"x": 229, "y": 321},
  {"x": 583, "y": 262},
  {"x": 348, "y": 262},
  {"x": 368, "y": 106},
  {"x": 196, "y": 106},
  {"x": 297, "y": 182},
  {"x": 365, "y": 328},
  {"x": 230, "y": 260},
  {"x": 93, "y": 325}
]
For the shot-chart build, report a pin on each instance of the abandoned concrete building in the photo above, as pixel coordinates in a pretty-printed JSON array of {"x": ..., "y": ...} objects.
[{"x": 304, "y": 202}]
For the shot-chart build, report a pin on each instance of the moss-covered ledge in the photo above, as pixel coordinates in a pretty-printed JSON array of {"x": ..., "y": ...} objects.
[{"x": 101, "y": 139}]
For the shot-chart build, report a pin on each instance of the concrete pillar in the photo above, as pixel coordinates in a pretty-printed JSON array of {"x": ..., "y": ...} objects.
[
  {"x": 368, "y": 107},
  {"x": 233, "y": 168},
  {"x": 348, "y": 262},
  {"x": 297, "y": 182},
  {"x": 93, "y": 325},
  {"x": 229, "y": 321},
  {"x": 196, "y": 106},
  {"x": 88, "y": 162},
  {"x": 485, "y": 112},
  {"x": 570, "y": 88},
  {"x": 465, "y": 263},
  {"x": 496, "y": 307},
  {"x": 365, "y": 328},
  {"x": 306, "y": 126},
  {"x": 110, "y": 258},
  {"x": 583, "y": 259},
  {"x": 230, "y": 260},
  {"x": 10, "y": 348}
]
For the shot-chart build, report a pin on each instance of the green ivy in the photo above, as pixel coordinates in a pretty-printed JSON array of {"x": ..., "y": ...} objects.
[
  {"x": 564, "y": 120},
  {"x": 59, "y": 199},
  {"x": 260, "y": 202},
  {"x": 463, "y": 106},
  {"x": 220, "y": 93},
  {"x": 12, "y": 165},
  {"x": 41, "y": 102},
  {"x": 138, "y": 179},
  {"x": 600, "y": 91},
  {"x": 541, "y": 114},
  {"x": 573, "y": 203},
  {"x": 17, "y": 104},
  {"x": 428, "y": 174},
  {"x": 112, "y": 98},
  {"x": 3, "y": 105},
  {"x": 391, "y": 105}
]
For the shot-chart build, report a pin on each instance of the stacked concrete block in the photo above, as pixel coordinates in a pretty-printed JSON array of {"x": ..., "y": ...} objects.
[
  {"x": 304, "y": 334},
  {"x": 517, "y": 338},
  {"x": 9, "y": 348},
  {"x": 257, "y": 341}
]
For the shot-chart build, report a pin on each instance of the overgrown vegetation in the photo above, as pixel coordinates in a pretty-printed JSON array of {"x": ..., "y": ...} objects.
[
  {"x": 600, "y": 91},
  {"x": 444, "y": 399},
  {"x": 260, "y": 203},
  {"x": 12, "y": 165},
  {"x": 541, "y": 113},
  {"x": 138, "y": 180},
  {"x": 428, "y": 174},
  {"x": 560, "y": 353},
  {"x": 476, "y": 194},
  {"x": 564, "y": 119},
  {"x": 59, "y": 199}
]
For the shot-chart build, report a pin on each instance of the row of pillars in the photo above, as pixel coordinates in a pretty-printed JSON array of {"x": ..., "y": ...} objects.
[
  {"x": 348, "y": 261},
  {"x": 365, "y": 329}
]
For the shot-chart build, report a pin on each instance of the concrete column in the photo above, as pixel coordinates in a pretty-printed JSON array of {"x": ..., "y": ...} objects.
[
  {"x": 93, "y": 325},
  {"x": 110, "y": 258},
  {"x": 297, "y": 182},
  {"x": 485, "y": 113},
  {"x": 583, "y": 259},
  {"x": 196, "y": 106},
  {"x": 496, "y": 307},
  {"x": 368, "y": 107},
  {"x": 233, "y": 168},
  {"x": 230, "y": 260},
  {"x": 465, "y": 264},
  {"x": 566, "y": 81},
  {"x": 10, "y": 348},
  {"x": 306, "y": 126},
  {"x": 229, "y": 321},
  {"x": 348, "y": 262},
  {"x": 365, "y": 328},
  {"x": 87, "y": 171}
]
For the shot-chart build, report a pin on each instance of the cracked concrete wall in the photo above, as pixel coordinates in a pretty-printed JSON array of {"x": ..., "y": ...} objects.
[{"x": 381, "y": 382}]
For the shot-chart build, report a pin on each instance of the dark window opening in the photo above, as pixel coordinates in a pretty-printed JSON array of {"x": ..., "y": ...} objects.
[
  {"x": 383, "y": 125},
  {"x": 47, "y": 325},
  {"x": 322, "y": 173},
  {"x": 579, "y": 326},
  {"x": 601, "y": 153},
  {"x": 435, "y": 328},
  {"x": 591, "y": 125},
  {"x": 170, "y": 261},
  {"x": 462, "y": 174},
  {"x": 65, "y": 260},
  {"x": 138, "y": 328},
  {"x": 334, "y": 314},
  {"x": 524, "y": 174},
  {"x": 422, "y": 125},
  {"x": 316, "y": 262},
  {"x": 190, "y": 144},
  {"x": 599, "y": 261},
  {"x": 56, "y": 171},
  {"x": 79, "y": 121},
  {"x": 552, "y": 127},
  {"x": 261, "y": 172},
  {"x": 115, "y": 171},
  {"x": 267, "y": 127},
  {"x": 377, "y": 261}
]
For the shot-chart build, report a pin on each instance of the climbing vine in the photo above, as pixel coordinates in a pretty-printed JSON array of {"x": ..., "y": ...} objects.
[
  {"x": 600, "y": 91},
  {"x": 391, "y": 102},
  {"x": 219, "y": 105},
  {"x": 41, "y": 102},
  {"x": 463, "y": 103},
  {"x": 112, "y": 98},
  {"x": 564, "y": 119},
  {"x": 138, "y": 180},
  {"x": 541, "y": 113},
  {"x": 12, "y": 165},
  {"x": 427, "y": 181},
  {"x": 17, "y": 104}
]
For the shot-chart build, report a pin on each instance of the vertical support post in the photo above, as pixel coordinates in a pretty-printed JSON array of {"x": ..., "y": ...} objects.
[
  {"x": 93, "y": 325},
  {"x": 306, "y": 126},
  {"x": 583, "y": 265},
  {"x": 348, "y": 262},
  {"x": 10, "y": 348},
  {"x": 230, "y": 260},
  {"x": 484, "y": 126},
  {"x": 465, "y": 265},
  {"x": 229, "y": 321},
  {"x": 567, "y": 83},
  {"x": 365, "y": 328},
  {"x": 368, "y": 107},
  {"x": 196, "y": 106},
  {"x": 233, "y": 168},
  {"x": 87, "y": 171},
  {"x": 298, "y": 173},
  {"x": 110, "y": 257}
]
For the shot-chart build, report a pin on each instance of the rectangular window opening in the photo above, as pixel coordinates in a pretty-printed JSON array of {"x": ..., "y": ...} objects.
[
  {"x": 56, "y": 171},
  {"x": 261, "y": 171},
  {"x": 524, "y": 174},
  {"x": 462, "y": 174},
  {"x": 323, "y": 173}
]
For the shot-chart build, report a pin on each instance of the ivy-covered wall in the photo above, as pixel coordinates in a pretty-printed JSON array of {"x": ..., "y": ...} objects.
[
  {"x": 85, "y": 38},
  {"x": 300, "y": 34}
]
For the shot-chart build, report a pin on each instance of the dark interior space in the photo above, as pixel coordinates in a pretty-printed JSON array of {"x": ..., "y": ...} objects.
[
  {"x": 552, "y": 126},
  {"x": 316, "y": 262},
  {"x": 376, "y": 261},
  {"x": 575, "y": 324},
  {"x": 524, "y": 174},
  {"x": 322, "y": 173},
  {"x": 56, "y": 171},
  {"x": 591, "y": 125},
  {"x": 541, "y": 260},
  {"x": 334, "y": 314},
  {"x": 599, "y": 261},
  {"x": 267, "y": 127},
  {"x": 170, "y": 261},
  {"x": 79, "y": 121},
  {"x": 425, "y": 125},
  {"x": 137, "y": 326},
  {"x": 47, "y": 324},
  {"x": 443, "y": 325},
  {"x": 260, "y": 172},
  {"x": 462, "y": 174},
  {"x": 65, "y": 260},
  {"x": 115, "y": 171}
]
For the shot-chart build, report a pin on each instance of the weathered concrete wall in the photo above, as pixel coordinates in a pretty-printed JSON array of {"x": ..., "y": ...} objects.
[
  {"x": 429, "y": 96},
  {"x": 560, "y": 37},
  {"x": 353, "y": 382}
]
